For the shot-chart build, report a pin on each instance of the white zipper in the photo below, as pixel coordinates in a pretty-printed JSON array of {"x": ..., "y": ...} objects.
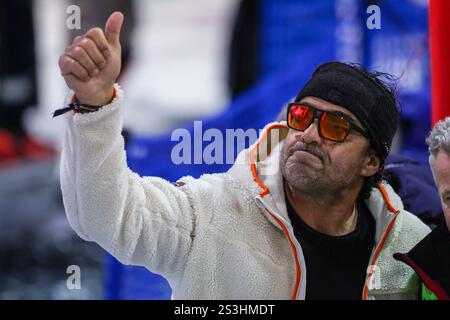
[{"x": 301, "y": 291}]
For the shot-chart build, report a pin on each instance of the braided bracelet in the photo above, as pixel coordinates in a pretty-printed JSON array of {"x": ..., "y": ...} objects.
[
  {"x": 80, "y": 108},
  {"x": 77, "y": 107}
]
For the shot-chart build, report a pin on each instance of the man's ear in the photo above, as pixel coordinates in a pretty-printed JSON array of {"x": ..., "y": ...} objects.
[{"x": 371, "y": 164}]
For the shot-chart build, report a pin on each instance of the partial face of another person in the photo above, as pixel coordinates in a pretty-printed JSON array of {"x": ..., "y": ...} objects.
[
  {"x": 314, "y": 165},
  {"x": 442, "y": 173}
]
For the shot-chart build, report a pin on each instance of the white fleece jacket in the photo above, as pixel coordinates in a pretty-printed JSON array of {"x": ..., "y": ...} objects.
[{"x": 223, "y": 236}]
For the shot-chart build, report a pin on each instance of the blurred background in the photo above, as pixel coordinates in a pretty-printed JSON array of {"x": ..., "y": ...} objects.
[{"x": 230, "y": 63}]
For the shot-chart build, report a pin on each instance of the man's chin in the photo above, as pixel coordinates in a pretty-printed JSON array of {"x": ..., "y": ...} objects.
[
  {"x": 303, "y": 178},
  {"x": 305, "y": 168}
]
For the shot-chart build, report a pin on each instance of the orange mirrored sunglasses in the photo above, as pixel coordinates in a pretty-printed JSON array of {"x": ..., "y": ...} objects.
[{"x": 334, "y": 126}]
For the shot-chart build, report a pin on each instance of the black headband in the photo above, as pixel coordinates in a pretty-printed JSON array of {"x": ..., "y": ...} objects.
[{"x": 349, "y": 87}]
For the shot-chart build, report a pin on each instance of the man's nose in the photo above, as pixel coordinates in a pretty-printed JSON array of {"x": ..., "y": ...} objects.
[{"x": 310, "y": 134}]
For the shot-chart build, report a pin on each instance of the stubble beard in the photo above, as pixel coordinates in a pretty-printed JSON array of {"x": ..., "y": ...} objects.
[{"x": 316, "y": 184}]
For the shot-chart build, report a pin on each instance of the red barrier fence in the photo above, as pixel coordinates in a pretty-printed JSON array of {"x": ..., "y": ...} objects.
[{"x": 439, "y": 23}]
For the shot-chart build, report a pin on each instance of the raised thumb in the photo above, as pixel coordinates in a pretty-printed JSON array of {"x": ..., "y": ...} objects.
[{"x": 113, "y": 27}]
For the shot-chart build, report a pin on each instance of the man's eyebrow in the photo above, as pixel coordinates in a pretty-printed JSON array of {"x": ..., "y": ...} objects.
[
  {"x": 446, "y": 193},
  {"x": 336, "y": 112},
  {"x": 309, "y": 104}
]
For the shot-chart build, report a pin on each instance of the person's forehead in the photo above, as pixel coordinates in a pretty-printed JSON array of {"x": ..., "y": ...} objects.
[
  {"x": 442, "y": 169},
  {"x": 328, "y": 106},
  {"x": 442, "y": 163}
]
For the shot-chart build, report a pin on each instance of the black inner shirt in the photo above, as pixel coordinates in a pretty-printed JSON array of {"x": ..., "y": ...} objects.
[{"x": 335, "y": 266}]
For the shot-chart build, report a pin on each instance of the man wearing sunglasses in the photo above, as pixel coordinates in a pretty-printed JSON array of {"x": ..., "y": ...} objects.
[
  {"x": 302, "y": 214},
  {"x": 341, "y": 127}
]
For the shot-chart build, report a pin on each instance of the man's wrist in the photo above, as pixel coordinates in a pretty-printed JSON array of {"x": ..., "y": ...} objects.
[
  {"x": 79, "y": 107},
  {"x": 100, "y": 100}
]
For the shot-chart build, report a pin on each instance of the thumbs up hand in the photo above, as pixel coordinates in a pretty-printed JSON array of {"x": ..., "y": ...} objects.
[{"x": 92, "y": 63}]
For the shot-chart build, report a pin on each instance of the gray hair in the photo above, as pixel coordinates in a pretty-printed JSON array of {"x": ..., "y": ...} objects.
[{"x": 439, "y": 139}]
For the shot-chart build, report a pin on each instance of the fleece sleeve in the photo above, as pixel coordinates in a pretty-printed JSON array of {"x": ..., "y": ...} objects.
[{"x": 142, "y": 221}]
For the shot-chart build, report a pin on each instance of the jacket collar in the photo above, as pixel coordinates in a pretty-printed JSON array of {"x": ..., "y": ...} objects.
[{"x": 263, "y": 159}]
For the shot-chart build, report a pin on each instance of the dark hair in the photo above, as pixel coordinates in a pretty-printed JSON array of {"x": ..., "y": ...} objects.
[{"x": 389, "y": 84}]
